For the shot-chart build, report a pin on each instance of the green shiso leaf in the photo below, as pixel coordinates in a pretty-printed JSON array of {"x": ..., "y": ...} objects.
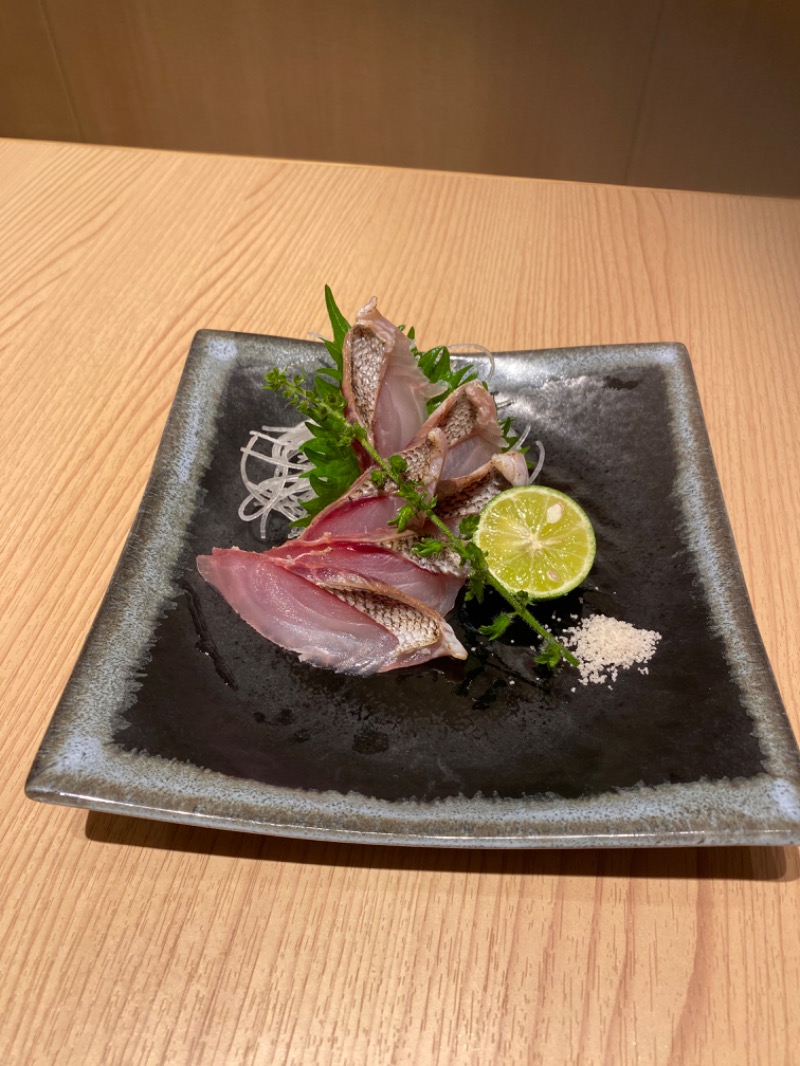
[
  {"x": 339, "y": 325},
  {"x": 435, "y": 364},
  {"x": 335, "y": 465}
]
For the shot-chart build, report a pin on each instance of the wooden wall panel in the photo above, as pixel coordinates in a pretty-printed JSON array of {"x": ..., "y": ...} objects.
[
  {"x": 33, "y": 95},
  {"x": 701, "y": 94},
  {"x": 548, "y": 88},
  {"x": 722, "y": 106}
]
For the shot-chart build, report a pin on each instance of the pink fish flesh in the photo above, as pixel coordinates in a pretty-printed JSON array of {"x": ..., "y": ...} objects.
[
  {"x": 437, "y": 588},
  {"x": 364, "y": 507},
  {"x": 468, "y": 419},
  {"x": 382, "y": 383},
  {"x": 329, "y": 617}
]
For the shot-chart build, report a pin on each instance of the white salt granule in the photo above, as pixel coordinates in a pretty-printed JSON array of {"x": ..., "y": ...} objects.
[{"x": 604, "y": 646}]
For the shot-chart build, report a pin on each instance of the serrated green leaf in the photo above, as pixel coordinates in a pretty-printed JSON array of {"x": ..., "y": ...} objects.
[
  {"x": 339, "y": 323},
  {"x": 402, "y": 518},
  {"x": 335, "y": 352},
  {"x": 436, "y": 366},
  {"x": 476, "y": 586},
  {"x": 339, "y": 469}
]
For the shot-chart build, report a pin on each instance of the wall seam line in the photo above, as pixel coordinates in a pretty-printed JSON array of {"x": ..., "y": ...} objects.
[{"x": 62, "y": 72}]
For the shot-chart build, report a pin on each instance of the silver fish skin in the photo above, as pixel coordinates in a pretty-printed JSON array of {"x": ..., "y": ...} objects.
[
  {"x": 459, "y": 497},
  {"x": 420, "y": 631},
  {"x": 384, "y": 389},
  {"x": 446, "y": 562},
  {"x": 468, "y": 419}
]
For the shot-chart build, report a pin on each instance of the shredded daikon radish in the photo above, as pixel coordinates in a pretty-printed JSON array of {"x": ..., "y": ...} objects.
[
  {"x": 520, "y": 441},
  {"x": 470, "y": 347},
  {"x": 285, "y": 489},
  {"x": 540, "y": 463}
]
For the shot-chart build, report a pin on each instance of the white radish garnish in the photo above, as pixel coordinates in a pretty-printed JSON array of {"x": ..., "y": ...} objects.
[{"x": 285, "y": 489}]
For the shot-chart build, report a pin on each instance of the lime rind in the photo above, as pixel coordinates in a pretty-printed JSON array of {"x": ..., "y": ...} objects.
[{"x": 536, "y": 540}]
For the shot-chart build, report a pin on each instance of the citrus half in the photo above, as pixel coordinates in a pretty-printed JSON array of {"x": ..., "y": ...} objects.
[{"x": 536, "y": 540}]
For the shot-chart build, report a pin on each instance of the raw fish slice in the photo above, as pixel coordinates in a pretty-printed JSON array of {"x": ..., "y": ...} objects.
[
  {"x": 296, "y": 614},
  {"x": 381, "y": 381},
  {"x": 446, "y": 561},
  {"x": 421, "y": 632},
  {"x": 435, "y": 588},
  {"x": 468, "y": 419},
  {"x": 346, "y": 517},
  {"x": 329, "y": 617},
  {"x": 364, "y": 507},
  {"x": 468, "y": 495}
]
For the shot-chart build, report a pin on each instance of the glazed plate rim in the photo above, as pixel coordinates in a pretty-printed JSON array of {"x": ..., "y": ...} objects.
[{"x": 78, "y": 764}]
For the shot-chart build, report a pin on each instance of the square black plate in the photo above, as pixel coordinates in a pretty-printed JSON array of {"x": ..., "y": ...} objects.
[{"x": 177, "y": 710}]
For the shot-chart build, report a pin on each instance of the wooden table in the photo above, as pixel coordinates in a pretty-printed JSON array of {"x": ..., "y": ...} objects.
[{"x": 125, "y": 942}]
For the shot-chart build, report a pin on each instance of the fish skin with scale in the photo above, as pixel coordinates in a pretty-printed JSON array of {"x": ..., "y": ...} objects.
[
  {"x": 330, "y": 617},
  {"x": 383, "y": 386},
  {"x": 469, "y": 494},
  {"x": 468, "y": 419},
  {"x": 365, "y": 506},
  {"x": 421, "y": 632}
]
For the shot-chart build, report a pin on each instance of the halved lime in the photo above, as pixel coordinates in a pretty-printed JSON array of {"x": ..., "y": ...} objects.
[{"x": 536, "y": 540}]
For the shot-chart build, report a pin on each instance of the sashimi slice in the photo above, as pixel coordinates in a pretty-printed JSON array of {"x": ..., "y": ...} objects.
[
  {"x": 382, "y": 383},
  {"x": 295, "y": 614},
  {"x": 338, "y": 621},
  {"x": 436, "y": 588},
  {"x": 468, "y": 419},
  {"x": 361, "y": 515},
  {"x": 421, "y": 632},
  {"x": 459, "y": 497},
  {"x": 364, "y": 507},
  {"x": 446, "y": 561}
]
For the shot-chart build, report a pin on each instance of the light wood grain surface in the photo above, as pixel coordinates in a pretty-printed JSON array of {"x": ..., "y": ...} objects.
[{"x": 125, "y": 942}]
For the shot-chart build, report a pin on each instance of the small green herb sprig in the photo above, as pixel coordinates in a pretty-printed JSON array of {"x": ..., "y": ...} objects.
[
  {"x": 327, "y": 411},
  {"x": 334, "y": 464}
]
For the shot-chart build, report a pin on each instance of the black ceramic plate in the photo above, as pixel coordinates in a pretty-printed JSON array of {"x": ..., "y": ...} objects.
[{"x": 177, "y": 710}]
